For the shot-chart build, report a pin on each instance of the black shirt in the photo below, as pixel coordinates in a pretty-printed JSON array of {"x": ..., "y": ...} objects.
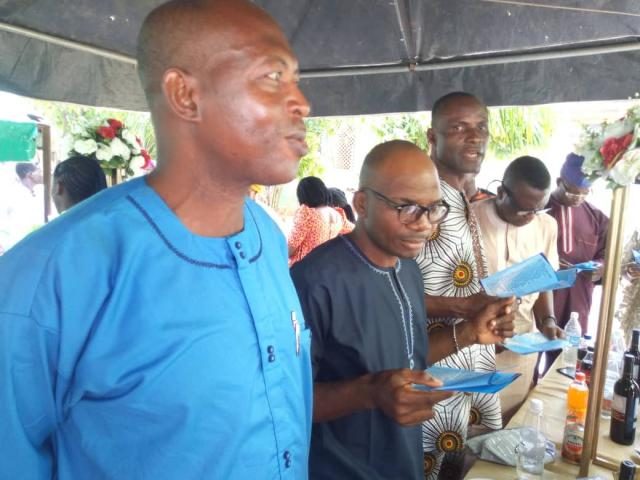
[{"x": 362, "y": 319}]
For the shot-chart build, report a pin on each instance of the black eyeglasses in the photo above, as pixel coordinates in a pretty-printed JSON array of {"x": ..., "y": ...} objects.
[
  {"x": 411, "y": 212},
  {"x": 520, "y": 211}
]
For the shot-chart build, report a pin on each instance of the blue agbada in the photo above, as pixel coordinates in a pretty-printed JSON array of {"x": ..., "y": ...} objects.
[{"x": 132, "y": 349}]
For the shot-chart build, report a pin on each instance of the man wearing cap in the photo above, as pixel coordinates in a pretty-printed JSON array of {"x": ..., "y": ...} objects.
[{"x": 582, "y": 235}]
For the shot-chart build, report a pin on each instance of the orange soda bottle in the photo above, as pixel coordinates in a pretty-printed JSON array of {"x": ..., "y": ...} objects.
[{"x": 578, "y": 394}]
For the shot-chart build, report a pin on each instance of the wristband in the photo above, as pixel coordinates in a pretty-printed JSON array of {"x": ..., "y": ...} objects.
[
  {"x": 544, "y": 320},
  {"x": 455, "y": 338}
]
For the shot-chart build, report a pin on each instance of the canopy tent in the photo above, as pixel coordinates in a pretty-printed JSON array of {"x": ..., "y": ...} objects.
[{"x": 356, "y": 56}]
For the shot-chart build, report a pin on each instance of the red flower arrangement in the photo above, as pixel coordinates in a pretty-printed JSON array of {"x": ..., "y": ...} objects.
[{"x": 114, "y": 146}]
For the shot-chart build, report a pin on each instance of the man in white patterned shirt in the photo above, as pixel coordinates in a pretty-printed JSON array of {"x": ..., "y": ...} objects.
[{"x": 452, "y": 262}]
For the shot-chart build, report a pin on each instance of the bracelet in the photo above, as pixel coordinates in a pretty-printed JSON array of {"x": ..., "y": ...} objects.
[
  {"x": 455, "y": 338},
  {"x": 555, "y": 320}
]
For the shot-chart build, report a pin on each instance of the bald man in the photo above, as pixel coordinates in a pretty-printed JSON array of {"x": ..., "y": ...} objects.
[
  {"x": 362, "y": 297},
  {"x": 153, "y": 331}
]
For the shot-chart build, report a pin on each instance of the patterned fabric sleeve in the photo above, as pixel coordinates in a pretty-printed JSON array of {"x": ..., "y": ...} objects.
[{"x": 300, "y": 228}]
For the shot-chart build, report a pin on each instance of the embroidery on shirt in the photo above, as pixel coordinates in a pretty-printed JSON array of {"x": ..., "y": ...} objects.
[{"x": 179, "y": 254}]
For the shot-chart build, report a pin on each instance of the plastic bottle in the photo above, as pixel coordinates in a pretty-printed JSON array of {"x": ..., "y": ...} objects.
[
  {"x": 573, "y": 439},
  {"x": 587, "y": 365},
  {"x": 613, "y": 374},
  {"x": 578, "y": 394},
  {"x": 573, "y": 332},
  {"x": 530, "y": 451},
  {"x": 585, "y": 342}
]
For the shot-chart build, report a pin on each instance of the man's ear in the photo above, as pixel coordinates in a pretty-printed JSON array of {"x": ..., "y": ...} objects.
[
  {"x": 180, "y": 92},
  {"x": 431, "y": 137},
  {"x": 360, "y": 203}
]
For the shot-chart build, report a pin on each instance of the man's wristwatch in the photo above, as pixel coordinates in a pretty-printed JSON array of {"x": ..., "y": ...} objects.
[{"x": 545, "y": 320}]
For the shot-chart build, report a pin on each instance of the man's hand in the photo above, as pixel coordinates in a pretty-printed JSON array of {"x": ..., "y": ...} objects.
[
  {"x": 565, "y": 264},
  {"x": 550, "y": 329},
  {"x": 471, "y": 306},
  {"x": 391, "y": 392},
  {"x": 495, "y": 322},
  {"x": 632, "y": 270},
  {"x": 596, "y": 275}
]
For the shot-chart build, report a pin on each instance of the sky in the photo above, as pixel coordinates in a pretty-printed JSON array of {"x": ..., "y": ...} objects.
[{"x": 13, "y": 107}]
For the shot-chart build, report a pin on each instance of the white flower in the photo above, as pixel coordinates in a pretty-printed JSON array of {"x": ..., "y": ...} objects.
[
  {"x": 627, "y": 169},
  {"x": 104, "y": 153},
  {"x": 137, "y": 161},
  {"x": 120, "y": 149},
  {"x": 618, "y": 128},
  {"x": 85, "y": 147},
  {"x": 128, "y": 136}
]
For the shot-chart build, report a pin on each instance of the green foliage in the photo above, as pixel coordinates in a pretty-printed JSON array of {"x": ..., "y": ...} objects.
[
  {"x": 407, "y": 126},
  {"x": 311, "y": 164},
  {"x": 515, "y": 129}
]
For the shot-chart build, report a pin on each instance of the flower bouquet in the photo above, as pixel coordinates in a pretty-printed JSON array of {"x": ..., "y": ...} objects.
[
  {"x": 612, "y": 150},
  {"x": 114, "y": 146}
]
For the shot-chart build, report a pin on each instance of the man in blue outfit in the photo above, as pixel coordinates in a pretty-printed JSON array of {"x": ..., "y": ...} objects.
[
  {"x": 153, "y": 331},
  {"x": 362, "y": 296}
]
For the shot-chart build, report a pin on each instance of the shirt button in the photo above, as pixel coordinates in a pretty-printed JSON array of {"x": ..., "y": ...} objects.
[
  {"x": 270, "y": 349},
  {"x": 287, "y": 463},
  {"x": 238, "y": 245},
  {"x": 287, "y": 455},
  {"x": 243, "y": 255},
  {"x": 272, "y": 358}
]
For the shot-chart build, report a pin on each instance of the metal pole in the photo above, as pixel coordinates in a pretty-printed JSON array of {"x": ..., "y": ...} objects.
[
  {"x": 607, "y": 309},
  {"x": 63, "y": 42},
  {"x": 45, "y": 131},
  {"x": 501, "y": 59}
]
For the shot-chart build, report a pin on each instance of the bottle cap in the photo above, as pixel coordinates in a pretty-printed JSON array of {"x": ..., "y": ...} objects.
[
  {"x": 628, "y": 468},
  {"x": 587, "y": 336},
  {"x": 536, "y": 405},
  {"x": 580, "y": 377}
]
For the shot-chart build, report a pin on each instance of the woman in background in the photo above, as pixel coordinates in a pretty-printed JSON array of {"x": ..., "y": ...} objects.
[
  {"x": 338, "y": 200},
  {"x": 315, "y": 221},
  {"x": 76, "y": 179}
]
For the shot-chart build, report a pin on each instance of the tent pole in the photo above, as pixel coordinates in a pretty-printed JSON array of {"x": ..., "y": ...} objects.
[
  {"x": 63, "y": 42},
  {"x": 629, "y": 46}
]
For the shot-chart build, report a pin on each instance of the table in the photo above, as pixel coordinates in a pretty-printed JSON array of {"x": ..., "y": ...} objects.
[{"x": 552, "y": 390}]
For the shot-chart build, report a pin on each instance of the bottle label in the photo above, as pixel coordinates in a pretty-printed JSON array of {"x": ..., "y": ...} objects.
[
  {"x": 573, "y": 442},
  {"x": 619, "y": 408}
]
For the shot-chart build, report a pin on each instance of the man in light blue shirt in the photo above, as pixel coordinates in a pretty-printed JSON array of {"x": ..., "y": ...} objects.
[{"x": 153, "y": 332}]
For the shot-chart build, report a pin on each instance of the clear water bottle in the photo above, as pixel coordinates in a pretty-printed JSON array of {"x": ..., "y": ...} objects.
[
  {"x": 530, "y": 450},
  {"x": 573, "y": 332}
]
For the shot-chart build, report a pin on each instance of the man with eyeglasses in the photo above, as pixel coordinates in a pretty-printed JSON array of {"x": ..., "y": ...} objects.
[
  {"x": 362, "y": 297},
  {"x": 514, "y": 227},
  {"x": 582, "y": 237},
  {"x": 452, "y": 264}
]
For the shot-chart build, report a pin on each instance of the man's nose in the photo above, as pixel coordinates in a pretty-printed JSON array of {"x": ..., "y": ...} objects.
[{"x": 298, "y": 103}]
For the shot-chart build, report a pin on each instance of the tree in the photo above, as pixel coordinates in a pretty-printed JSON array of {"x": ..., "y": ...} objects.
[
  {"x": 516, "y": 129},
  {"x": 311, "y": 163},
  {"x": 406, "y": 126}
]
